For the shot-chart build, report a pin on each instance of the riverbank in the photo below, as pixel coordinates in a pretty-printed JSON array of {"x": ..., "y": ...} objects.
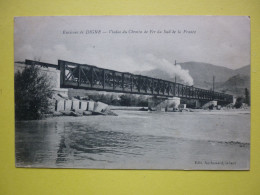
[
  {"x": 111, "y": 110},
  {"x": 128, "y": 112}
]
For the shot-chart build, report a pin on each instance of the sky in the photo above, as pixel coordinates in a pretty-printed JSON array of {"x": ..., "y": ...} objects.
[{"x": 134, "y": 43}]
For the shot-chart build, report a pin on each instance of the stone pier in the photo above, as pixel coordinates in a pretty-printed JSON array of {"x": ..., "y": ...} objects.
[
  {"x": 163, "y": 104},
  {"x": 197, "y": 104},
  {"x": 210, "y": 104}
]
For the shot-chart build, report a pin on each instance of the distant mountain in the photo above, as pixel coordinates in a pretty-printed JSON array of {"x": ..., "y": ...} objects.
[{"x": 229, "y": 80}]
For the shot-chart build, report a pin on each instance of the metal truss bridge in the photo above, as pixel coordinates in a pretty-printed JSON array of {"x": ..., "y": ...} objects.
[{"x": 83, "y": 76}]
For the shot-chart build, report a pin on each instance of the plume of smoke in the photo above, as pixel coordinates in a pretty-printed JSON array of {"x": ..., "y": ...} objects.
[{"x": 171, "y": 69}]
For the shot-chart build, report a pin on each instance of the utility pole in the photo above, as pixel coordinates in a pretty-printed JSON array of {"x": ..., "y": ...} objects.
[
  {"x": 175, "y": 73},
  {"x": 213, "y": 88}
]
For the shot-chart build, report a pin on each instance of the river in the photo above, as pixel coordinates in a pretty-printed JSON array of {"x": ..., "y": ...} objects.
[{"x": 137, "y": 140}]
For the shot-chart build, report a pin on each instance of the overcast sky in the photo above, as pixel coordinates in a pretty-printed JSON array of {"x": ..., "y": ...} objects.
[{"x": 222, "y": 40}]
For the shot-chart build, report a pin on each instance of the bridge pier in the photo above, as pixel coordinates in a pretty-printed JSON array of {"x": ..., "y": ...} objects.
[
  {"x": 209, "y": 104},
  {"x": 163, "y": 104},
  {"x": 173, "y": 103},
  {"x": 198, "y": 104}
]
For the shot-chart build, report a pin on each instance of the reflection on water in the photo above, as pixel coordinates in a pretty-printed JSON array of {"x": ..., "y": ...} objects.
[
  {"x": 134, "y": 140},
  {"x": 90, "y": 140}
]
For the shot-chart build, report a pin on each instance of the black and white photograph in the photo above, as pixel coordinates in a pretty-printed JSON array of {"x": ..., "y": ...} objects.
[{"x": 132, "y": 92}]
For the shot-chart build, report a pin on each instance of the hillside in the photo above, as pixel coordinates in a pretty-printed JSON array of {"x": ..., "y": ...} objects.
[
  {"x": 244, "y": 70},
  {"x": 203, "y": 73},
  {"x": 235, "y": 85}
]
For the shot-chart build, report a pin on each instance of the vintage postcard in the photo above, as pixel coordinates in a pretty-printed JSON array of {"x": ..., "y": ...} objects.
[{"x": 132, "y": 92}]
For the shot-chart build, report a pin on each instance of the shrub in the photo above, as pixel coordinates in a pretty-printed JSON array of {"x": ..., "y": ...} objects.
[
  {"x": 126, "y": 100},
  {"x": 33, "y": 90},
  {"x": 133, "y": 100},
  {"x": 239, "y": 102}
]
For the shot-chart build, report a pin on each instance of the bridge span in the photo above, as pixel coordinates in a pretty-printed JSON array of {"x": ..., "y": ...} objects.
[{"x": 84, "y": 76}]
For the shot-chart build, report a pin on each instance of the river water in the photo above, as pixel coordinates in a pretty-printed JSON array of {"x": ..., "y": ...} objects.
[{"x": 137, "y": 140}]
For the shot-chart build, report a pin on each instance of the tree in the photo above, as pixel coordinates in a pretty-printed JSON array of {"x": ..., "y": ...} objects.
[
  {"x": 142, "y": 101},
  {"x": 33, "y": 90},
  {"x": 247, "y": 97}
]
